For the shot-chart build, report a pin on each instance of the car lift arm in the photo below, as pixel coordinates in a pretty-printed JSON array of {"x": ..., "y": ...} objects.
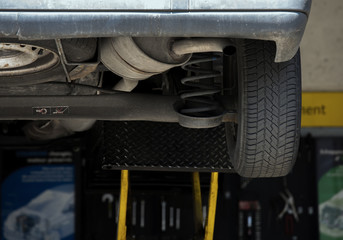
[{"x": 209, "y": 229}]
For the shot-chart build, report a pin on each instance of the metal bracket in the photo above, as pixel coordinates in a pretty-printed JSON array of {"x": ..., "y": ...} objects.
[
  {"x": 65, "y": 60},
  {"x": 82, "y": 68}
]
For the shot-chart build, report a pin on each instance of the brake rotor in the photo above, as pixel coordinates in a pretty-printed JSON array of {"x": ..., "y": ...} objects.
[{"x": 18, "y": 59}]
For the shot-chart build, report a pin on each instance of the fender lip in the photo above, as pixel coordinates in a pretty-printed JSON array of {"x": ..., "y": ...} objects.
[
  {"x": 157, "y": 5},
  {"x": 285, "y": 28}
]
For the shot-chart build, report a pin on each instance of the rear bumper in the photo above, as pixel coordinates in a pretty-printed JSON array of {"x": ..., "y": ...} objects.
[
  {"x": 280, "y": 21},
  {"x": 284, "y": 28},
  {"x": 157, "y": 5}
]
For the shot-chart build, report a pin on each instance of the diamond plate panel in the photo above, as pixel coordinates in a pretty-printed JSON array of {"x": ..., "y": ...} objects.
[{"x": 164, "y": 146}]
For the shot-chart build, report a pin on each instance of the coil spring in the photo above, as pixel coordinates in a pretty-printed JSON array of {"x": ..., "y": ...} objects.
[{"x": 200, "y": 101}]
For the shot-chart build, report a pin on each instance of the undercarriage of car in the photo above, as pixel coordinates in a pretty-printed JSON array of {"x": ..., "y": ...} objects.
[{"x": 227, "y": 81}]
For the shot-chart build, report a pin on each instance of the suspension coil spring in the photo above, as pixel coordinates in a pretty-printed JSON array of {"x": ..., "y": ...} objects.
[{"x": 200, "y": 109}]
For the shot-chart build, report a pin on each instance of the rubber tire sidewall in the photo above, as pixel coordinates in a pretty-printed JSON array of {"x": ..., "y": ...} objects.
[{"x": 236, "y": 146}]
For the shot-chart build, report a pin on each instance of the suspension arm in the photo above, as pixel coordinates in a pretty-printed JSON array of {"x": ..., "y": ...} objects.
[{"x": 116, "y": 107}]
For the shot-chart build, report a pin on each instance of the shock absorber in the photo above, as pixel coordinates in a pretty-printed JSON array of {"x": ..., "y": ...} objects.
[{"x": 199, "y": 107}]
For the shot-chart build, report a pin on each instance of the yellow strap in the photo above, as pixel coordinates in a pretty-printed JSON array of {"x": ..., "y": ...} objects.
[
  {"x": 212, "y": 205},
  {"x": 124, "y": 188}
]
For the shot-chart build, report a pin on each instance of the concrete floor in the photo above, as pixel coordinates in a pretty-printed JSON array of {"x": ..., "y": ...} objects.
[{"x": 322, "y": 47}]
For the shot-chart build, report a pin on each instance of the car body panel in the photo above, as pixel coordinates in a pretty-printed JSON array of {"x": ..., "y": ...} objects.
[
  {"x": 162, "y": 5},
  {"x": 280, "y": 21}
]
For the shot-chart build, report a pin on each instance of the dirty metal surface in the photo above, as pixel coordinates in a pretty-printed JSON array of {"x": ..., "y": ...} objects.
[{"x": 164, "y": 146}]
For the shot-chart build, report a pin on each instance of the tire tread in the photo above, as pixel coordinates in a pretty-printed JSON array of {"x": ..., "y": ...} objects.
[{"x": 271, "y": 102}]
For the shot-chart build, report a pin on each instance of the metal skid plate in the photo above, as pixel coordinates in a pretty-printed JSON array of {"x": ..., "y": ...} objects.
[{"x": 164, "y": 146}]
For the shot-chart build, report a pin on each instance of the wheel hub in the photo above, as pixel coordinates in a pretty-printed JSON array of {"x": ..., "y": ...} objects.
[{"x": 18, "y": 59}]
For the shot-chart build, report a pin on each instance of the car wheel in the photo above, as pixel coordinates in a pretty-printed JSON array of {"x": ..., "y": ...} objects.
[
  {"x": 265, "y": 139},
  {"x": 33, "y": 62}
]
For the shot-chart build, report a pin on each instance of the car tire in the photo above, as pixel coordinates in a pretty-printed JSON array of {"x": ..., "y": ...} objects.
[
  {"x": 264, "y": 141},
  {"x": 76, "y": 50}
]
